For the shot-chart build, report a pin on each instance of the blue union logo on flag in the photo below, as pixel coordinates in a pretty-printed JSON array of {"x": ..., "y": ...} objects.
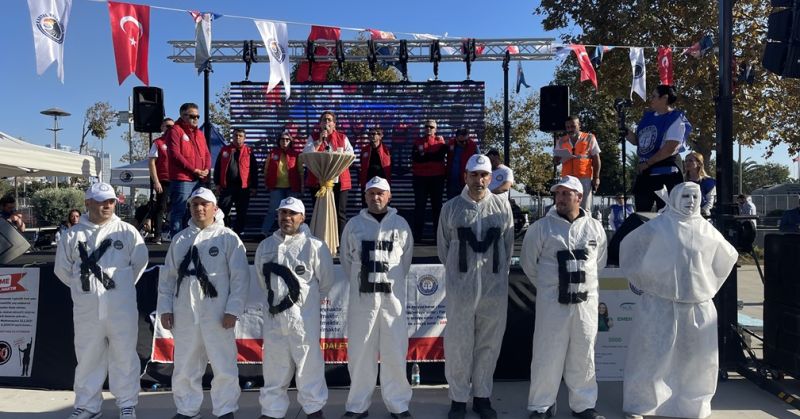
[
  {"x": 276, "y": 51},
  {"x": 50, "y": 27}
]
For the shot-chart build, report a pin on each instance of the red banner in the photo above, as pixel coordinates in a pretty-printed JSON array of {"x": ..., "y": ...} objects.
[
  {"x": 587, "y": 70},
  {"x": 130, "y": 33},
  {"x": 319, "y": 71},
  {"x": 665, "y": 65},
  {"x": 11, "y": 283}
]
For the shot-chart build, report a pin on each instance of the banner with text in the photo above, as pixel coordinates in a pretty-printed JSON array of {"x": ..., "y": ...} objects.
[
  {"x": 615, "y": 321},
  {"x": 19, "y": 304}
]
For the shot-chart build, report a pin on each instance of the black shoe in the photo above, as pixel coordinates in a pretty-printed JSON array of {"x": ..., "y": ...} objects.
[
  {"x": 355, "y": 415},
  {"x": 400, "y": 415},
  {"x": 483, "y": 407},
  {"x": 547, "y": 414},
  {"x": 316, "y": 415},
  {"x": 588, "y": 414},
  {"x": 458, "y": 410}
]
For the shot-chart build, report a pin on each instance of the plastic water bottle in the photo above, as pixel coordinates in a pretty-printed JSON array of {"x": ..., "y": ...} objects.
[{"x": 415, "y": 377}]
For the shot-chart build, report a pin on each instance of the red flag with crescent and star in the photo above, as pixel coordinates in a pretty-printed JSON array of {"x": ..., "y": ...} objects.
[
  {"x": 587, "y": 70},
  {"x": 130, "y": 33},
  {"x": 319, "y": 72},
  {"x": 665, "y": 65}
]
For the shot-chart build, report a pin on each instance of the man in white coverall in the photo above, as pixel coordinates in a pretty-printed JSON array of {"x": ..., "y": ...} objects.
[
  {"x": 376, "y": 252},
  {"x": 201, "y": 294},
  {"x": 296, "y": 270},
  {"x": 561, "y": 254},
  {"x": 475, "y": 240},
  {"x": 100, "y": 259},
  {"x": 673, "y": 371}
]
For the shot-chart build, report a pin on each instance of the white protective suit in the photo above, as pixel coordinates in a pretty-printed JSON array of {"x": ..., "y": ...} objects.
[
  {"x": 376, "y": 258},
  {"x": 301, "y": 274},
  {"x": 475, "y": 241},
  {"x": 198, "y": 332},
  {"x": 562, "y": 259},
  {"x": 680, "y": 261},
  {"x": 105, "y": 317}
]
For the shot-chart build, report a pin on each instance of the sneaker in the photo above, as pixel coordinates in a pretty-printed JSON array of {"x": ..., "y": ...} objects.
[
  {"x": 458, "y": 410},
  {"x": 483, "y": 407},
  {"x": 547, "y": 414},
  {"x": 405, "y": 414},
  {"x": 81, "y": 413},
  {"x": 316, "y": 415},
  {"x": 355, "y": 415},
  {"x": 228, "y": 415},
  {"x": 588, "y": 414},
  {"x": 180, "y": 416},
  {"x": 127, "y": 412}
]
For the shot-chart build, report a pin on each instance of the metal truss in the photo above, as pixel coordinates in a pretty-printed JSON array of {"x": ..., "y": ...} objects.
[{"x": 412, "y": 51}]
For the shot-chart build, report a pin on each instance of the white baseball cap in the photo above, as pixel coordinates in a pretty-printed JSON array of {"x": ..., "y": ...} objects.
[
  {"x": 378, "y": 182},
  {"x": 570, "y": 182},
  {"x": 479, "y": 162},
  {"x": 293, "y": 204},
  {"x": 100, "y": 192},
  {"x": 203, "y": 193}
]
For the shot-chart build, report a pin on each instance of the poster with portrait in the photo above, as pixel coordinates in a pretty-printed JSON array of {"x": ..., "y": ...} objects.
[
  {"x": 19, "y": 305},
  {"x": 614, "y": 324}
]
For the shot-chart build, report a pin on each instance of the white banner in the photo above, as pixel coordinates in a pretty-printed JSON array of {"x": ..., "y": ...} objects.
[
  {"x": 276, "y": 40},
  {"x": 617, "y": 302},
  {"x": 639, "y": 83},
  {"x": 49, "y": 21},
  {"x": 19, "y": 305}
]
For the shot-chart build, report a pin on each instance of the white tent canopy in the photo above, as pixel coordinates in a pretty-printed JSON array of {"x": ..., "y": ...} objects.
[
  {"x": 136, "y": 175},
  {"x": 19, "y": 158}
]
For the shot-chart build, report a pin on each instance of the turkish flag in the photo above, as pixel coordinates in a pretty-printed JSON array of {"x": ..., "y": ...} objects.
[
  {"x": 587, "y": 70},
  {"x": 319, "y": 72},
  {"x": 665, "y": 65},
  {"x": 130, "y": 32}
]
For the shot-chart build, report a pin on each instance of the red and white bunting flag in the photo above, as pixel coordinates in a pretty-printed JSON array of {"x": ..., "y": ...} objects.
[
  {"x": 587, "y": 70},
  {"x": 319, "y": 70},
  {"x": 377, "y": 35},
  {"x": 665, "y": 65},
  {"x": 130, "y": 33}
]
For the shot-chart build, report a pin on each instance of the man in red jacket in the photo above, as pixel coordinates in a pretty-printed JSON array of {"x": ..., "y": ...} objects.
[
  {"x": 376, "y": 160},
  {"x": 459, "y": 151},
  {"x": 428, "y": 170},
  {"x": 283, "y": 176},
  {"x": 236, "y": 176},
  {"x": 189, "y": 163},
  {"x": 328, "y": 139},
  {"x": 159, "y": 175}
]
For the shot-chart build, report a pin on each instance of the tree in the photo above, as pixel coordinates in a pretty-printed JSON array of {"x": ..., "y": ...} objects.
[
  {"x": 141, "y": 146},
  {"x": 530, "y": 155},
  {"x": 353, "y": 71},
  {"x": 97, "y": 121},
  {"x": 761, "y": 111},
  {"x": 220, "y": 112}
]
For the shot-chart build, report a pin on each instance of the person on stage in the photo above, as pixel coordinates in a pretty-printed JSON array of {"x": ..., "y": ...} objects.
[
  {"x": 236, "y": 176},
  {"x": 376, "y": 160},
  {"x": 502, "y": 175},
  {"x": 579, "y": 156},
  {"x": 659, "y": 137},
  {"x": 459, "y": 150},
  {"x": 695, "y": 172},
  {"x": 100, "y": 259},
  {"x": 679, "y": 261},
  {"x": 561, "y": 255},
  {"x": 283, "y": 176},
  {"x": 201, "y": 295},
  {"x": 376, "y": 250},
  {"x": 295, "y": 269},
  {"x": 475, "y": 242},
  {"x": 428, "y": 170},
  {"x": 189, "y": 163},
  {"x": 158, "y": 165},
  {"x": 619, "y": 212}
]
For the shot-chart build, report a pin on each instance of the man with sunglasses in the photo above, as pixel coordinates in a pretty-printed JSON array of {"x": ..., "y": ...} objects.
[
  {"x": 189, "y": 163},
  {"x": 428, "y": 170},
  {"x": 376, "y": 160}
]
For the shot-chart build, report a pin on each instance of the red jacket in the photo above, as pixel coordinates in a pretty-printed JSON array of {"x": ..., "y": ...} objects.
[
  {"x": 336, "y": 141},
  {"x": 187, "y": 150},
  {"x": 247, "y": 166},
  {"x": 428, "y": 156},
  {"x": 386, "y": 162},
  {"x": 271, "y": 175},
  {"x": 162, "y": 161},
  {"x": 470, "y": 149}
]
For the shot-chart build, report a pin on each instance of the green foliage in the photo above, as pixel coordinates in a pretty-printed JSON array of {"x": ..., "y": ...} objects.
[
  {"x": 358, "y": 71},
  {"x": 6, "y": 187},
  {"x": 53, "y": 204},
  {"x": 97, "y": 122},
  {"x": 220, "y": 112},
  {"x": 141, "y": 145}
]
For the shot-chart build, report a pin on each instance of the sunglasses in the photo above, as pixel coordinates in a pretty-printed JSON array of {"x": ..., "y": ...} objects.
[
  {"x": 327, "y": 119},
  {"x": 430, "y": 127},
  {"x": 192, "y": 116}
]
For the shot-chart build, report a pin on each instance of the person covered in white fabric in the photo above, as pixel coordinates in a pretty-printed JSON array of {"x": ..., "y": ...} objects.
[
  {"x": 679, "y": 261},
  {"x": 296, "y": 271},
  {"x": 100, "y": 259},
  {"x": 561, "y": 254},
  {"x": 475, "y": 241},
  {"x": 201, "y": 294},
  {"x": 376, "y": 250}
]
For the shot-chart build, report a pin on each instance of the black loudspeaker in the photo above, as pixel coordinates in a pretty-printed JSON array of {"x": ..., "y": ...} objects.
[
  {"x": 634, "y": 220},
  {"x": 782, "y": 51},
  {"x": 12, "y": 243},
  {"x": 148, "y": 109},
  {"x": 782, "y": 302},
  {"x": 553, "y": 108}
]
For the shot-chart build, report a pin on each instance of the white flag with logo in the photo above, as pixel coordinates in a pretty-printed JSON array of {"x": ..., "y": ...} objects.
[
  {"x": 49, "y": 20},
  {"x": 639, "y": 84},
  {"x": 276, "y": 41}
]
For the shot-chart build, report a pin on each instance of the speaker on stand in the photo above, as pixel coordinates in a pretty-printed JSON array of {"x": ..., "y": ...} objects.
[
  {"x": 553, "y": 111},
  {"x": 148, "y": 109}
]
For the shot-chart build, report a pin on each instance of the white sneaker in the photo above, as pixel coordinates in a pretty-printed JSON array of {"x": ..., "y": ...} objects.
[
  {"x": 127, "y": 412},
  {"x": 81, "y": 413}
]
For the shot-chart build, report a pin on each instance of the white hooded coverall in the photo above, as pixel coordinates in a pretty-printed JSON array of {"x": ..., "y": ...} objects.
[
  {"x": 376, "y": 257},
  {"x": 474, "y": 241},
  {"x": 198, "y": 309},
  {"x": 300, "y": 273},
  {"x": 105, "y": 316},
  {"x": 561, "y": 259},
  {"x": 679, "y": 261}
]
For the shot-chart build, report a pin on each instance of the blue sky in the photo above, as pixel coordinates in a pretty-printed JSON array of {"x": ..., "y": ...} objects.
[{"x": 90, "y": 73}]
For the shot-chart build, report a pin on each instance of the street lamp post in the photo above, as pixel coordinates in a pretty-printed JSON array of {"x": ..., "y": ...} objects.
[{"x": 55, "y": 113}]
